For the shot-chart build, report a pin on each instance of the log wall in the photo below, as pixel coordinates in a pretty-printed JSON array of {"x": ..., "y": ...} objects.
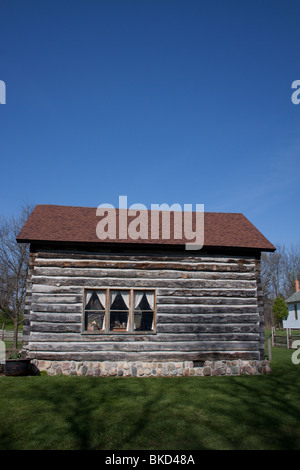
[{"x": 207, "y": 307}]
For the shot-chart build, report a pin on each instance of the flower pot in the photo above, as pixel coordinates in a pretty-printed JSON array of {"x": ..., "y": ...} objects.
[{"x": 16, "y": 367}]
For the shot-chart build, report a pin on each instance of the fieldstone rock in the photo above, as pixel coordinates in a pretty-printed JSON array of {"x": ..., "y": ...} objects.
[
  {"x": 146, "y": 369},
  {"x": 206, "y": 371}
]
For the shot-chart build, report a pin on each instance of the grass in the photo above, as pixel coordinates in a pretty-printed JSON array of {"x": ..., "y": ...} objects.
[
  {"x": 282, "y": 332},
  {"x": 188, "y": 413}
]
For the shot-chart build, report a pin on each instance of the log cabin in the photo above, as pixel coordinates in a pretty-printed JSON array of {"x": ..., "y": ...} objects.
[{"x": 143, "y": 306}]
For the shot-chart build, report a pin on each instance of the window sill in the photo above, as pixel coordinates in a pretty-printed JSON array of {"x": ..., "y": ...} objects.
[{"x": 119, "y": 332}]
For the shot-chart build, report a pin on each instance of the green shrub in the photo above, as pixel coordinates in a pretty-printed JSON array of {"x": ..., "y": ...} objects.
[
  {"x": 15, "y": 355},
  {"x": 280, "y": 310},
  {"x": 43, "y": 372}
]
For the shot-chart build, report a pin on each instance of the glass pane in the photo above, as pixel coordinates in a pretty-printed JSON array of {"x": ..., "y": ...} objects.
[
  {"x": 94, "y": 302},
  {"x": 143, "y": 321},
  {"x": 94, "y": 321},
  {"x": 119, "y": 300},
  {"x": 118, "y": 320},
  {"x": 140, "y": 301}
]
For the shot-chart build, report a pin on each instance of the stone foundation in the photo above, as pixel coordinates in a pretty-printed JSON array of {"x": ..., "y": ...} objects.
[{"x": 153, "y": 369}]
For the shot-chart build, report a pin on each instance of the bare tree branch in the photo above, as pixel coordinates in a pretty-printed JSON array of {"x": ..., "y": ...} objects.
[
  {"x": 14, "y": 259},
  {"x": 279, "y": 270}
]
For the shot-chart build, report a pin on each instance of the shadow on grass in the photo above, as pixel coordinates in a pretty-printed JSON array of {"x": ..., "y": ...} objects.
[
  {"x": 84, "y": 413},
  {"x": 188, "y": 413},
  {"x": 248, "y": 415},
  {"x": 57, "y": 414},
  {"x": 253, "y": 412}
]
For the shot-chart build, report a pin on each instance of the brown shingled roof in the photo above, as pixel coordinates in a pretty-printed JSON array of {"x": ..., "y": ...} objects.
[{"x": 51, "y": 223}]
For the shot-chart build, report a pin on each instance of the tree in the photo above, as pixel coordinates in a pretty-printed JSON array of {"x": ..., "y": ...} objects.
[
  {"x": 280, "y": 310},
  {"x": 14, "y": 260},
  {"x": 291, "y": 269},
  {"x": 279, "y": 270},
  {"x": 272, "y": 272}
]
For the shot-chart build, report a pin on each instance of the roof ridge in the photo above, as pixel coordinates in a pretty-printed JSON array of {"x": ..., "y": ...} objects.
[{"x": 121, "y": 208}]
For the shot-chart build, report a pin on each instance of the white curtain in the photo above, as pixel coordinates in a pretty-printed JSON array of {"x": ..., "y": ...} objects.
[
  {"x": 88, "y": 296},
  {"x": 125, "y": 296},
  {"x": 102, "y": 298},
  {"x": 150, "y": 298},
  {"x": 113, "y": 295},
  {"x": 137, "y": 298}
]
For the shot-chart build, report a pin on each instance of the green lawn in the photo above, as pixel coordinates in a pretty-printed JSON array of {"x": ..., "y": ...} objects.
[{"x": 188, "y": 413}]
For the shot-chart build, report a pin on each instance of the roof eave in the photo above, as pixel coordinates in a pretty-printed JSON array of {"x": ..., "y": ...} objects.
[{"x": 141, "y": 243}]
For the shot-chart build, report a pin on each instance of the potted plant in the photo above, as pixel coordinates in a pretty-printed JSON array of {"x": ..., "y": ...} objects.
[{"x": 15, "y": 365}]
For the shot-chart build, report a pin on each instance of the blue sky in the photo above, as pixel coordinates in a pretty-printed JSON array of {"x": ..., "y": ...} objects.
[{"x": 164, "y": 101}]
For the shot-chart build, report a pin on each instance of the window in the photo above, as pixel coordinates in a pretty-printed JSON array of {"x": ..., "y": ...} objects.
[
  {"x": 295, "y": 310},
  {"x": 95, "y": 310},
  {"x": 119, "y": 311},
  {"x": 143, "y": 311}
]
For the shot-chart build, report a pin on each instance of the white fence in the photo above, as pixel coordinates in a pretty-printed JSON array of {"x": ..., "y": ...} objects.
[{"x": 8, "y": 335}]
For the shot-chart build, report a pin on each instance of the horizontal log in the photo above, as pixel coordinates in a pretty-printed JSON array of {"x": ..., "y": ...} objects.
[
  {"x": 56, "y": 298},
  {"x": 59, "y": 308},
  {"x": 56, "y": 317},
  {"x": 190, "y": 258},
  {"x": 200, "y": 309},
  {"x": 211, "y": 292},
  {"x": 215, "y": 318},
  {"x": 152, "y": 283},
  {"x": 171, "y": 309},
  {"x": 204, "y": 300},
  {"x": 146, "y": 356},
  {"x": 205, "y": 328},
  {"x": 171, "y": 338},
  {"x": 145, "y": 346},
  {"x": 146, "y": 265},
  {"x": 56, "y": 327},
  {"x": 49, "y": 289},
  {"x": 161, "y": 328},
  {"x": 161, "y": 318},
  {"x": 167, "y": 292},
  {"x": 70, "y": 298},
  {"x": 141, "y": 274}
]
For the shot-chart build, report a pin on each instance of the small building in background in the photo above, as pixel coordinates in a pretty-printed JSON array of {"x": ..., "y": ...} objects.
[{"x": 293, "y": 303}]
